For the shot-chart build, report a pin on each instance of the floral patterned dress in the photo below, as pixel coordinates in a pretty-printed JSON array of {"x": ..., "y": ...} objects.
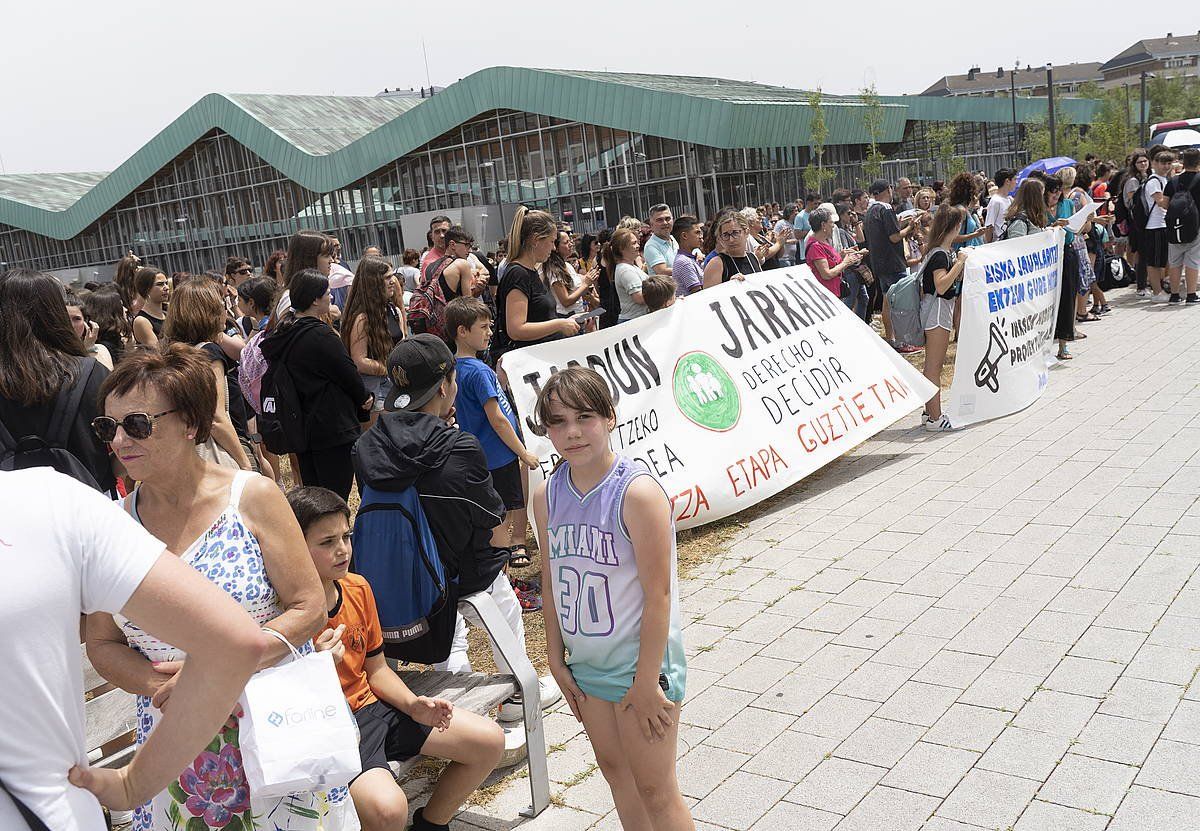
[
  {"x": 212, "y": 794},
  {"x": 1067, "y": 206}
]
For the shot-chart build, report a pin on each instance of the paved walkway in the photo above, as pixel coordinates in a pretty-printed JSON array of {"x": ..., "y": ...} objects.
[{"x": 996, "y": 628}]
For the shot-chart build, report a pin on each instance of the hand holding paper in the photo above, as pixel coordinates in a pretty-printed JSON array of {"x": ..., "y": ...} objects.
[{"x": 1076, "y": 220}]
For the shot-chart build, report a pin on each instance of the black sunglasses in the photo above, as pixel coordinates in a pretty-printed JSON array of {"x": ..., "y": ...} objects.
[{"x": 137, "y": 425}]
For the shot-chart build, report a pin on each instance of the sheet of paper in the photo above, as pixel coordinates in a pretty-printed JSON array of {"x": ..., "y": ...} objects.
[{"x": 1076, "y": 220}]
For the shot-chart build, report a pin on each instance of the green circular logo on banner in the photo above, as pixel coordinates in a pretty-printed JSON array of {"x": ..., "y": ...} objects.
[{"x": 705, "y": 393}]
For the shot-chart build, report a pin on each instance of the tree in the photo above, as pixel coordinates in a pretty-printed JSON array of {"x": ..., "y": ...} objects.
[
  {"x": 872, "y": 116},
  {"x": 815, "y": 175},
  {"x": 1112, "y": 132},
  {"x": 939, "y": 138}
]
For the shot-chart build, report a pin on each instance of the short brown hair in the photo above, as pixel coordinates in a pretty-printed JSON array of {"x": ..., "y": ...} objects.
[
  {"x": 579, "y": 388},
  {"x": 196, "y": 313},
  {"x": 411, "y": 256},
  {"x": 464, "y": 311},
  {"x": 180, "y": 372},
  {"x": 657, "y": 290},
  {"x": 1164, "y": 156}
]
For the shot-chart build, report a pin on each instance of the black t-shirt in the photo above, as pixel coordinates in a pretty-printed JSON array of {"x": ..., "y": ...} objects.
[
  {"x": 81, "y": 441},
  {"x": 939, "y": 259},
  {"x": 746, "y": 264},
  {"x": 1185, "y": 181},
  {"x": 233, "y": 392},
  {"x": 887, "y": 257},
  {"x": 541, "y": 306}
]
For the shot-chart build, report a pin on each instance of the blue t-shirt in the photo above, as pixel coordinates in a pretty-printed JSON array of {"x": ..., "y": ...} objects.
[{"x": 476, "y": 384}]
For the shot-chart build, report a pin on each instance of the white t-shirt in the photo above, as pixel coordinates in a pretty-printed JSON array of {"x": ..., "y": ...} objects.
[
  {"x": 67, "y": 550},
  {"x": 996, "y": 209},
  {"x": 1157, "y": 216},
  {"x": 628, "y": 280},
  {"x": 573, "y": 276}
]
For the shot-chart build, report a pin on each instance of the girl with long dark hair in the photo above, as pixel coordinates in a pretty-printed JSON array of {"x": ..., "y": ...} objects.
[
  {"x": 153, "y": 291},
  {"x": 331, "y": 394},
  {"x": 104, "y": 307},
  {"x": 941, "y": 280},
  {"x": 365, "y": 332},
  {"x": 41, "y": 357},
  {"x": 570, "y": 288}
]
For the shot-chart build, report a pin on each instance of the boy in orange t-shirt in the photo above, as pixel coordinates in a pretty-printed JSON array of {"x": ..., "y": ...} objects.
[{"x": 394, "y": 724}]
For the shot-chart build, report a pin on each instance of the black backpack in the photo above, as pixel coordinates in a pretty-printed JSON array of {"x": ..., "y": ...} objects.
[
  {"x": 51, "y": 450},
  {"x": 281, "y": 422},
  {"x": 1183, "y": 217}
]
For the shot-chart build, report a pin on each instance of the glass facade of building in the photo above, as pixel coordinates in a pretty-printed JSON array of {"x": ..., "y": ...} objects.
[{"x": 220, "y": 199}]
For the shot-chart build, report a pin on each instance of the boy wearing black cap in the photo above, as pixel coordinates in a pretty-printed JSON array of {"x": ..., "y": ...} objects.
[{"x": 416, "y": 444}]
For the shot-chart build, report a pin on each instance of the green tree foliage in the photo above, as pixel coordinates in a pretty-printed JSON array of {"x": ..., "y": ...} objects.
[
  {"x": 815, "y": 175},
  {"x": 872, "y": 116},
  {"x": 939, "y": 138}
]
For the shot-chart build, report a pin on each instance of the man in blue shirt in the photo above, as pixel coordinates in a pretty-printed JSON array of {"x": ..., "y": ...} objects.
[{"x": 659, "y": 250}]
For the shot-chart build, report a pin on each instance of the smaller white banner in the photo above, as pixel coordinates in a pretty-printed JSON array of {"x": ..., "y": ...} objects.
[{"x": 1009, "y": 303}]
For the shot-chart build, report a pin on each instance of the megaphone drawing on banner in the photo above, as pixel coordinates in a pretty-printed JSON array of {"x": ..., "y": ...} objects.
[{"x": 987, "y": 374}]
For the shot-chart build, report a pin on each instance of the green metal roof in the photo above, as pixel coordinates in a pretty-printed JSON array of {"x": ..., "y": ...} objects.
[{"x": 326, "y": 142}]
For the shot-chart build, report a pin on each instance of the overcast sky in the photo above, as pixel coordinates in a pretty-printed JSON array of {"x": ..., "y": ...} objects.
[{"x": 86, "y": 84}]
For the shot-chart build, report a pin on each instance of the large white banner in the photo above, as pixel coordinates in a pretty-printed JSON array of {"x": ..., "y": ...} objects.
[
  {"x": 734, "y": 393},
  {"x": 1009, "y": 302}
]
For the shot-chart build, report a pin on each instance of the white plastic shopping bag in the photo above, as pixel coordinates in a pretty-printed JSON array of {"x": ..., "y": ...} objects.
[{"x": 297, "y": 732}]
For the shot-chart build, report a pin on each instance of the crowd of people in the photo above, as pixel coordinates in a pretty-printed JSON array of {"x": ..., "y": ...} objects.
[{"x": 196, "y": 399}]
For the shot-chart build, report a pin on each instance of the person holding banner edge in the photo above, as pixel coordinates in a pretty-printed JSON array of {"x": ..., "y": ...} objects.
[{"x": 941, "y": 281}]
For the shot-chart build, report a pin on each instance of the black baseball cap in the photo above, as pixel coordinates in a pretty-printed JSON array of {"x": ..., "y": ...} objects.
[
  {"x": 878, "y": 186},
  {"x": 416, "y": 368}
]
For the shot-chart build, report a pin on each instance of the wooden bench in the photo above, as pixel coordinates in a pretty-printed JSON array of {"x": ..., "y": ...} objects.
[
  {"x": 111, "y": 713},
  {"x": 111, "y": 719},
  {"x": 476, "y": 692}
]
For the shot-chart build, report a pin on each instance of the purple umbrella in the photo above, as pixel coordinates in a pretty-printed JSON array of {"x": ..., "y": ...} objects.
[{"x": 1047, "y": 166}]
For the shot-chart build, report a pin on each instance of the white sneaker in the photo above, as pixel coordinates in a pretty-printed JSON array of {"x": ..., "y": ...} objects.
[
  {"x": 514, "y": 746},
  {"x": 514, "y": 710},
  {"x": 1143, "y": 293},
  {"x": 1161, "y": 297},
  {"x": 941, "y": 425}
]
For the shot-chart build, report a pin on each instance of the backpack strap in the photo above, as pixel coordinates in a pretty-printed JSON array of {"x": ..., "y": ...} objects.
[
  {"x": 66, "y": 406},
  {"x": 7, "y": 442},
  {"x": 31, "y": 819}
]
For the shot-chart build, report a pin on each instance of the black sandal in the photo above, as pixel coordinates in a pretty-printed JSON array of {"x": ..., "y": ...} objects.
[
  {"x": 1087, "y": 318},
  {"x": 519, "y": 557}
]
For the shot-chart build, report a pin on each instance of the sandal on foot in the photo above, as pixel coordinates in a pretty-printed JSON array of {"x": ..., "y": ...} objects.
[
  {"x": 1087, "y": 318},
  {"x": 519, "y": 557}
]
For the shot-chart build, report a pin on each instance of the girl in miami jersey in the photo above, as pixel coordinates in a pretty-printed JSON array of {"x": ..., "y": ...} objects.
[{"x": 610, "y": 599}]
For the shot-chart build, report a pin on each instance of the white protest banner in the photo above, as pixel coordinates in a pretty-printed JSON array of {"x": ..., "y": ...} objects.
[
  {"x": 735, "y": 393},
  {"x": 1009, "y": 301}
]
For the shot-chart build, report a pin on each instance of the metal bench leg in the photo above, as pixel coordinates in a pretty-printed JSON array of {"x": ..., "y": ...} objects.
[{"x": 527, "y": 681}]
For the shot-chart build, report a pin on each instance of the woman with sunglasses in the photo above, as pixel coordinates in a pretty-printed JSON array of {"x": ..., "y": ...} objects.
[
  {"x": 365, "y": 329},
  {"x": 43, "y": 361},
  {"x": 234, "y": 528},
  {"x": 196, "y": 317},
  {"x": 734, "y": 259},
  {"x": 333, "y": 400}
]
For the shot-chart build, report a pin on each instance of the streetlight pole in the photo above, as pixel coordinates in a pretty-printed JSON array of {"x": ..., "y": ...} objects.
[
  {"x": 1050, "y": 107},
  {"x": 1143, "y": 117},
  {"x": 1128, "y": 104},
  {"x": 1012, "y": 85}
]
